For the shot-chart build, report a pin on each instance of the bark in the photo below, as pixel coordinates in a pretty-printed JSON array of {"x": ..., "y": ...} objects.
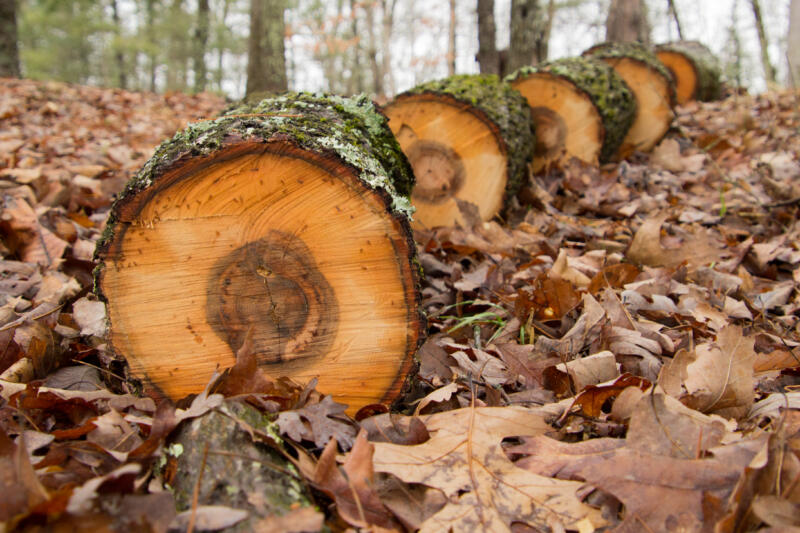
[
  {"x": 769, "y": 69},
  {"x": 674, "y": 12},
  {"x": 243, "y": 461},
  {"x": 346, "y": 151},
  {"x": 502, "y": 106},
  {"x": 609, "y": 94},
  {"x": 705, "y": 64},
  {"x": 627, "y": 22},
  {"x": 266, "y": 62},
  {"x": 488, "y": 57},
  {"x": 200, "y": 43},
  {"x": 451, "y": 41},
  {"x": 527, "y": 30},
  {"x": 9, "y": 50},
  {"x": 119, "y": 57},
  {"x": 793, "y": 44}
]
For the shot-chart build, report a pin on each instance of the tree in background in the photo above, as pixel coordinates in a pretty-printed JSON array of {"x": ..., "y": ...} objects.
[
  {"x": 9, "y": 52},
  {"x": 200, "y": 44},
  {"x": 488, "y": 56},
  {"x": 627, "y": 22},
  {"x": 793, "y": 44},
  {"x": 266, "y": 59},
  {"x": 769, "y": 69},
  {"x": 527, "y": 33}
]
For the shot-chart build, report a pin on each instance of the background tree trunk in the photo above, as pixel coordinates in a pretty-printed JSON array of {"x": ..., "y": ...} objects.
[
  {"x": 266, "y": 63},
  {"x": 150, "y": 20},
  {"x": 627, "y": 22},
  {"x": 488, "y": 58},
  {"x": 200, "y": 43},
  {"x": 451, "y": 41},
  {"x": 527, "y": 29},
  {"x": 769, "y": 69},
  {"x": 372, "y": 53},
  {"x": 9, "y": 51},
  {"x": 673, "y": 11},
  {"x": 793, "y": 44},
  {"x": 387, "y": 9},
  {"x": 119, "y": 57}
]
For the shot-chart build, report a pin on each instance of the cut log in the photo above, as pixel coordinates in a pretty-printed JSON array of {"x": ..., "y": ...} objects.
[
  {"x": 651, "y": 84},
  {"x": 288, "y": 219},
  {"x": 580, "y": 106},
  {"x": 696, "y": 70},
  {"x": 469, "y": 139}
]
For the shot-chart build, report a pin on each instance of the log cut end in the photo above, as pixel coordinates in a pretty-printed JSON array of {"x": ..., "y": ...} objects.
[
  {"x": 468, "y": 139},
  {"x": 580, "y": 108},
  {"x": 651, "y": 83},
  {"x": 695, "y": 69},
  {"x": 274, "y": 233}
]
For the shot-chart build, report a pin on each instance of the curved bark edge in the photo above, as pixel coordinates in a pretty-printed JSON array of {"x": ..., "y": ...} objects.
[
  {"x": 497, "y": 104},
  {"x": 706, "y": 67},
  {"x": 638, "y": 52},
  {"x": 607, "y": 91}
]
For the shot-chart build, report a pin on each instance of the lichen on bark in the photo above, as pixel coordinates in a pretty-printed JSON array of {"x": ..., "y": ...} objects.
[
  {"x": 636, "y": 51},
  {"x": 352, "y": 129},
  {"x": 503, "y": 108},
  {"x": 607, "y": 91}
]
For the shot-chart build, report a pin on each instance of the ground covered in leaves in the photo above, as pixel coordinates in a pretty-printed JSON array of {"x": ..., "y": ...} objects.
[{"x": 620, "y": 354}]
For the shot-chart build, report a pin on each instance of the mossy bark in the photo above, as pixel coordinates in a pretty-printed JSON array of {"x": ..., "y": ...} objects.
[
  {"x": 706, "y": 67},
  {"x": 351, "y": 129},
  {"x": 501, "y": 107},
  {"x": 635, "y": 51},
  {"x": 231, "y": 456},
  {"x": 608, "y": 92}
]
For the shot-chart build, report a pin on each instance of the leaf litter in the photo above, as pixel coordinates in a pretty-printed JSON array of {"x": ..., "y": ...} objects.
[{"x": 619, "y": 353}]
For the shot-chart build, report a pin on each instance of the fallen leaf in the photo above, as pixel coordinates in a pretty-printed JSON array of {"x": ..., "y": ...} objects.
[
  {"x": 720, "y": 379},
  {"x": 485, "y": 491},
  {"x": 351, "y": 487}
]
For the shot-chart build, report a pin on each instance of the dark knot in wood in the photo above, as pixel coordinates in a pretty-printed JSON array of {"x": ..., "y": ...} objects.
[
  {"x": 274, "y": 286},
  {"x": 438, "y": 169}
]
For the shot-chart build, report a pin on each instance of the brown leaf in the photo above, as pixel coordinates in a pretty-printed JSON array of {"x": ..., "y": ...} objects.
[
  {"x": 645, "y": 249},
  {"x": 486, "y": 492},
  {"x": 593, "y": 397},
  {"x": 659, "y": 493},
  {"x": 20, "y": 489},
  {"x": 351, "y": 486},
  {"x": 318, "y": 423},
  {"x": 720, "y": 379},
  {"x": 614, "y": 277}
]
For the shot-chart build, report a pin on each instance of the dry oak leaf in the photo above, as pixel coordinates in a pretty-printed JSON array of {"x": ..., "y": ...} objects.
[
  {"x": 720, "y": 379},
  {"x": 353, "y": 485},
  {"x": 660, "y": 493},
  {"x": 485, "y": 491}
]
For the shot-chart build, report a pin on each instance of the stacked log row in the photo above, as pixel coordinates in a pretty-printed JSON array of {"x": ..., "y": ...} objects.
[
  {"x": 696, "y": 70},
  {"x": 580, "y": 107},
  {"x": 281, "y": 229},
  {"x": 653, "y": 87},
  {"x": 469, "y": 139}
]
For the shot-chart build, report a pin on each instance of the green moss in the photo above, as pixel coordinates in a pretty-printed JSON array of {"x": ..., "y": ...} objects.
[
  {"x": 351, "y": 128},
  {"x": 605, "y": 88},
  {"x": 706, "y": 66},
  {"x": 635, "y": 51},
  {"x": 505, "y": 109}
]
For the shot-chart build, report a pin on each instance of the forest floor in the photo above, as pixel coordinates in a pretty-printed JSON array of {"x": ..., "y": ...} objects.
[{"x": 621, "y": 352}]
